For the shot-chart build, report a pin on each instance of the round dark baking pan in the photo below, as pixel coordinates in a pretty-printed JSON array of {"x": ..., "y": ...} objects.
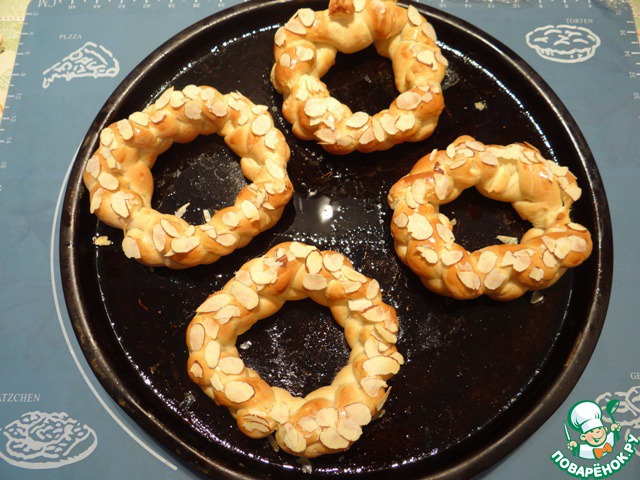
[{"x": 480, "y": 376}]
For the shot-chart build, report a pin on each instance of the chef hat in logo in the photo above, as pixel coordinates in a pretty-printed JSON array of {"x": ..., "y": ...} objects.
[{"x": 586, "y": 416}]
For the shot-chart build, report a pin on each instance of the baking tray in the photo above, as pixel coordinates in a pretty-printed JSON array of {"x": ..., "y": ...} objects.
[{"x": 480, "y": 376}]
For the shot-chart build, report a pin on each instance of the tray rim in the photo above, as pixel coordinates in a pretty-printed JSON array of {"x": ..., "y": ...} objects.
[{"x": 480, "y": 458}]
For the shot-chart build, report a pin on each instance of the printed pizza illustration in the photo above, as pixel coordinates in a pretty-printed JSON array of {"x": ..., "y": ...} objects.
[
  {"x": 90, "y": 60},
  {"x": 563, "y": 43},
  {"x": 40, "y": 440}
]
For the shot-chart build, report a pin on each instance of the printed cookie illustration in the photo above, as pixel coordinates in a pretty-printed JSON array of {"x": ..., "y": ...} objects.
[
  {"x": 40, "y": 440},
  {"x": 563, "y": 43},
  {"x": 90, "y": 60}
]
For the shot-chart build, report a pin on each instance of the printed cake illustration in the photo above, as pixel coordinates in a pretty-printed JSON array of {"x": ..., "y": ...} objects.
[{"x": 563, "y": 43}]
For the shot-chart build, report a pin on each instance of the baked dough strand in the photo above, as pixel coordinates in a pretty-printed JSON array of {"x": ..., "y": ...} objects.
[
  {"x": 331, "y": 418},
  {"x": 306, "y": 47},
  {"x": 541, "y": 192},
  {"x": 118, "y": 176}
]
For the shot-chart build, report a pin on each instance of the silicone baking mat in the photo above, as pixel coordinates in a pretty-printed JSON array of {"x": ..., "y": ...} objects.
[{"x": 44, "y": 379}]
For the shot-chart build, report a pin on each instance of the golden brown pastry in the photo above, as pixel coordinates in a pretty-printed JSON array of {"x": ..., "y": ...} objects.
[
  {"x": 541, "y": 192},
  {"x": 331, "y": 418},
  {"x": 120, "y": 182},
  {"x": 306, "y": 48}
]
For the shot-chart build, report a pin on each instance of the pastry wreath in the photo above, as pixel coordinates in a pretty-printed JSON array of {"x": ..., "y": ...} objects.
[
  {"x": 329, "y": 419},
  {"x": 306, "y": 48},
  {"x": 541, "y": 192},
  {"x": 118, "y": 176}
]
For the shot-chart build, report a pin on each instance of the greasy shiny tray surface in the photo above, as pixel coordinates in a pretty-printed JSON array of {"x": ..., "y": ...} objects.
[{"x": 480, "y": 375}]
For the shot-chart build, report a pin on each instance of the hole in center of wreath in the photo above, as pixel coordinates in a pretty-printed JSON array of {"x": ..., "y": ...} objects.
[
  {"x": 480, "y": 222},
  {"x": 201, "y": 176},
  {"x": 363, "y": 80},
  {"x": 301, "y": 348}
]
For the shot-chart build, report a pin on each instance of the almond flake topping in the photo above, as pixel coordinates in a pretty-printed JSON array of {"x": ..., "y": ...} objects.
[
  {"x": 274, "y": 169},
  {"x": 280, "y": 37},
  {"x": 414, "y": 16},
  {"x": 238, "y": 391},
  {"x": 358, "y": 120},
  {"x": 304, "y": 54},
  {"x": 295, "y": 26},
  {"x": 93, "y": 166},
  {"x": 169, "y": 228},
  {"x": 184, "y": 244},
  {"x": 486, "y": 261},
  {"x": 125, "y": 130},
  {"x": 429, "y": 254},
  {"x": 419, "y": 227},
  {"x": 108, "y": 181},
  {"x": 469, "y": 280},
  {"x": 331, "y": 439},
  {"x": 249, "y": 210},
  {"x": 131, "y": 248},
  {"x": 327, "y": 417},
  {"x": 444, "y": 233},
  {"x": 373, "y": 289},
  {"x": 408, "y": 100},
  {"x": 106, "y": 137},
  {"x": 216, "y": 383},
  {"x": 270, "y": 139},
  {"x": 314, "y": 262},
  {"x": 378, "y": 7},
  {"x": 196, "y": 370},
  {"x": 406, "y": 121},
  {"x": 429, "y": 31},
  {"x": 381, "y": 365},
  {"x": 427, "y": 57},
  {"x": 196, "y": 337},
  {"x": 226, "y": 313},
  {"x": 372, "y": 386},
  {"x": 536, "y": 274},
  {"x": 308, "y": 423},
  {"x": 139, "y": 118},
  {"x": 359, "y": 413},
  {"x": 314, "y": 281},
  {"x": 494, "y": 279},
  {"x": 326, "y": 135},
  {"x": 246, "y": 296},
  {"x": 280, "y": 412},
  {"x": 359, "y": 5},
  {"x": 293, "y": 439},
  {"x": 193, "y": 110},
  {"x": 231, "y": 365},
  {"x": 349, "y": 429},
  {"x": 306, "y": 16},
  {"x": 401, "y": 220},
  {"x": 333, "y": 262},
  {"x": 451, "y": 257}
]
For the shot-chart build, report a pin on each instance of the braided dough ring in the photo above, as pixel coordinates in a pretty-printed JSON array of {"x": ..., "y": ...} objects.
[
  {"x": 306, "y": 47},
  {"x": 329, "y": 419},
  {"x": 540, "y": 191},
  {"x": 118, "y": 176}
]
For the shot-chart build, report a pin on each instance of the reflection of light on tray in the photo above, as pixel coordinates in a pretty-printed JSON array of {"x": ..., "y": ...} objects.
[{"x": 40, "y": 440}]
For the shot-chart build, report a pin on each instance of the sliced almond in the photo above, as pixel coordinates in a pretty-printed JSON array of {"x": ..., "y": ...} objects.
[
  {"x": 226, "y": 239},
  {"x": 130, "y": 248},
  {"x": 280, "y": 412},
  {"x": 293, "y": 439},
  {"x": 494, "y": 279},
  {"x": 419, "y": 227},
  {"x": 314, "y": 282},
  {"x": 381, "y": 365},
  {"x": 331, "y": 439},
  {"x": 239, "y": 391},
  {"x": 226, "y": 313},
  {"x": 408, "y": 100},
  {"x": 487, "y": 261},
  {"x": 308, "y": 423},
  {"x": 184, "y": 244},
  {"x": 212, "y": 354},
  {"x": 196, "y": 370},
  {"x": 214, "y": 303},
  {"x": 169, "y": 228},
  {"x": 246, "y": 296},
  {"x": 372, "y": 386},
  {"x": 469, "y": 280},
  {"x": 196, "y": 336},
  {"x": 359, "y": 413},
  {"x": 231, "y": 365},
  {"x": 327, "y": 417},
  {"x": 314, "y": 262}
]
